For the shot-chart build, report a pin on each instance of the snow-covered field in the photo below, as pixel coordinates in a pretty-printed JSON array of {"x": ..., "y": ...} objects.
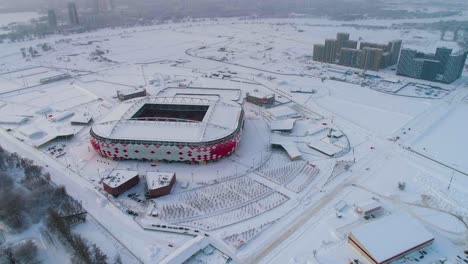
[{"x": 256, "y": 206}]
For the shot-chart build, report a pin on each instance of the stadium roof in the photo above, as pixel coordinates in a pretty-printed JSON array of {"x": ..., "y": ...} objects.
[{"x": 221, "y": 119}]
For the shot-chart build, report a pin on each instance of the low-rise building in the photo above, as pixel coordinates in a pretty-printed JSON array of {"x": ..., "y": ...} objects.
[
  {"x": 260, "y": 99},
  {"x": 160, "y": 183},
  {"x": 369, "y": 208},
  {"x": 390, "y": 238},
  {"x": 119, "y": 181},
  {"x": 130, "y": 94}
]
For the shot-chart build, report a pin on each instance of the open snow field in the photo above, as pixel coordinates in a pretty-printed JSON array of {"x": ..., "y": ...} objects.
[
  {"x": 446, "y": 140},
  {"x": 256, "y": 206}
]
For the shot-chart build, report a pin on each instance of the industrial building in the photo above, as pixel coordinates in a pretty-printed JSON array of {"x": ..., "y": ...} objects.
[
  {"x": 185, "y": 129},
  {"x": 441, "y": 66},
  {"x": 119, "y": 181},
  {"x": 389, "y": 238},
  {"x": 160, "y": 183},
  {"x": 369, "y": 56}
]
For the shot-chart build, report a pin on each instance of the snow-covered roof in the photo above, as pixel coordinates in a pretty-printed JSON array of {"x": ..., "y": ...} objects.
[
  {"x": 131, "y": 91},
  {"x": 289, "y": 146},
  {"x": 31, "y": 131},
  {"x": 369, "y": 206},
  {"x": 282, "y": 111},
  {"x": 62, "y": 116},
  {"x": 224, "y": 93},
  {"x": 340, "y": 205},
  {"x": 221, "y": 119},
  {"x": 285, "y": 124},
  {"x": 119, "y": 177},
  {"x": 391, "y": 236},
  {"x": 336, "y": 133},
  {"x": 261, "y": 95},
  {"x": 81, "y": 118},
  {"x": 12, "y": 120},
  {"x": 52, "y": 134},
  {"x": 303, "y": 90},
  {"x": 324, "y": 147},
  {"x": 44, "y": 110},
  {"x": 156, "y": 179}
]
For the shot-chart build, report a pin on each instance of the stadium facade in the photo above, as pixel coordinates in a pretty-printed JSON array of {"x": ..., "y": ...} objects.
[{"x": 184, "y": 129}]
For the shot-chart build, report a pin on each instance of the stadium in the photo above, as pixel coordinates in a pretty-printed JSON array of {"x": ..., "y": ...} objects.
[{"x": 184, "y": 129}]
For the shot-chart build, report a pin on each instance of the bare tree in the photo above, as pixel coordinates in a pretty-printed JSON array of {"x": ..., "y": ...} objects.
[
  {"x": 98, "y": 257},
  {"x": 26, "y": 252}
]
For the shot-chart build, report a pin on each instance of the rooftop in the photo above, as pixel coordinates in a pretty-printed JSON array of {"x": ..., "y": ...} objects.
[
  {"x": 156, "y": 179},
  {"x": 119, "y": 177},
  {"x": 221, "y": 120},
  {"x": 391, "y": 236},
  {"x": 82, "y": 118},
  {"x": 282, "y": 111},
  {"x": 285, "y": 124}
]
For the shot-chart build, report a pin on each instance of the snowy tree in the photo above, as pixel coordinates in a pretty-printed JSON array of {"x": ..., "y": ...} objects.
[
  {"x": 26, "y": 252},
  {"x": 118, "y": 259},
  {"x": 98, "y": 257}
]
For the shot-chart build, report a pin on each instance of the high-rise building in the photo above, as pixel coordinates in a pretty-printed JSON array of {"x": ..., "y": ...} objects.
[
  {"x": 73, "y": 14},
  {"x": 371, "y": 56},
  {"x": 104, "y": 6},
  {"x": 341, "y": 38},
  {"x": 319, "y": 51},
  {"x": 351, "y": 44},
  {"x": 351, "y": 57},
  {"x": 330, "y": 50},
  {"x": 395, "y": 49},
  {"x": 442, "y": 54},
  {"x": 443, "y": 66},
  {"x": 52, "y": 18},
  {"x": 383, "y": 47}
]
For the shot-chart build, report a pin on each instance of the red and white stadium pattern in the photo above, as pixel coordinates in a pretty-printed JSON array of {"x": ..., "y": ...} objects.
[{"x": 165, "y": 152}]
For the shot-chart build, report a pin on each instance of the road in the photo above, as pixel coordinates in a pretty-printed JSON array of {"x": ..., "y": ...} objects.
[{"x": 109, "y": 217}]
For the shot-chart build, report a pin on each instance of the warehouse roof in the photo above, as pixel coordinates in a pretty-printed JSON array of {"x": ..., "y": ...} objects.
[{"x": 391, "y": 236}]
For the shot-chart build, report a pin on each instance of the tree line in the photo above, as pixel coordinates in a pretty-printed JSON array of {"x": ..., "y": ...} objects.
[{"x": 27, "y": 197}]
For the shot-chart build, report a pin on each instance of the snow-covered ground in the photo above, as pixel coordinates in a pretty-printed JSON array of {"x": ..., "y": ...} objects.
[{"x": 255, "y": 206}]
